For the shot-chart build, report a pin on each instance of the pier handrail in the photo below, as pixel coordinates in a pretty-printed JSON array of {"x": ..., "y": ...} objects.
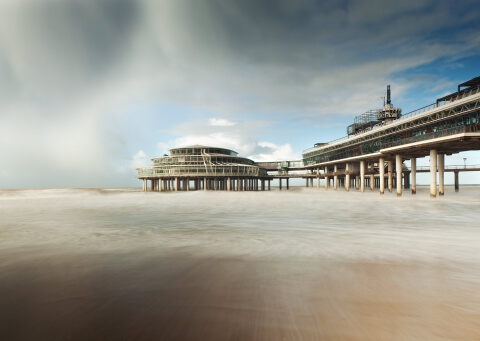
[{"x": 449, "y": 167}]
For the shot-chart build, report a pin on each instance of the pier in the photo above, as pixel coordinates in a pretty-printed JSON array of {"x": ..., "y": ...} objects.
[
  {"x": 450, "y": 125},
  {"x": 372, "y": 155}
]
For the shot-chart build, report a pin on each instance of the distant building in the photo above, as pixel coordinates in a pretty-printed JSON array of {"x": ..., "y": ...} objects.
[{"x": 203, "y": 168}]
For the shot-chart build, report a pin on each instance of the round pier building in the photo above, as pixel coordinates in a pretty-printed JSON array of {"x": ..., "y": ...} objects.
[{"x": 203, "y": 168}]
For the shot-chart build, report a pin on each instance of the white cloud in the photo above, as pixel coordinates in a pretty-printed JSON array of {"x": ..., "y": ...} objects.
[
  {"x": 241, "y": 137},
  {"x": 163, "y": 147},
  {"x": 140, "y": 159},
  {"x": 221, "y": 122},
  {"x": 267, "y": 151}
]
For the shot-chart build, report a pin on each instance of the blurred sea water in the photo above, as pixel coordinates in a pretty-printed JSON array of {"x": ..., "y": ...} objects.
[{"x": 299, "y": 264}]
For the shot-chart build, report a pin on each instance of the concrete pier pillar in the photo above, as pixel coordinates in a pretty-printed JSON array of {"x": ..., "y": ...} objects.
[
  {"x": 326, "y": 177},
  {"x": 204, "y": 184},
  {"x": 228, "y": 184},
  {"x": 413, "y": 168},
  {"x": 398, "y": 172},
  {"x": 306, "y": 182},
  {"x": 441, "y": 174},
  {"x": 335, "y": 177},
  {"x": 280, "y": 183},
  {"x": 372, "y": 182},
  {"x": 362, "y": 176},
  {"x": 347, "y": 177},
  {"x": 390, "y": 175},
  {"x": 381, "y": 168},
  {"x": 357, "y": 182},
  {"x": 287, "y": 183},
  {"x": 433, "y": 173},
  {"x": 406, "y": 180},
  {"x": 456, "y": 180},
  {"x": 177, "y": 184}
]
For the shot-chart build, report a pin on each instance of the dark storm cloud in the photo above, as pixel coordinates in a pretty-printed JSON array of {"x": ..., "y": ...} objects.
[
  {"x": 290, "y": 53},
  {"x": 275, "y": 51},
  {"x": 54, "y": 48}
]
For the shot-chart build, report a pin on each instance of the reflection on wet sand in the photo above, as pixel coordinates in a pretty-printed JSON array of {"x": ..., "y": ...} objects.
[
  {"x": 198, "y": 290},
  {"x": 162, "y": 297}
]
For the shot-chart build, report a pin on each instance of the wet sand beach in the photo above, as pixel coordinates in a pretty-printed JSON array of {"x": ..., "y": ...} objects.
[{"x": 299, "y": 265}]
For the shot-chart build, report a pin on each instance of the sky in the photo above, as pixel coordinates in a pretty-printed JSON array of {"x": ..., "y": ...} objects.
[{"x": 91, "y": 90}]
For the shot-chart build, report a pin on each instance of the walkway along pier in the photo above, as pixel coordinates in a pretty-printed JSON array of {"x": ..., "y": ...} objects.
[{"x": 370, "y": 156}]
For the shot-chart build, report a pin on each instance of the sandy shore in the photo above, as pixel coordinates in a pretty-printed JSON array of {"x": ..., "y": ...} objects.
[
  {"x": 297, "y": 265},
  {"x": 157, "y": 296}
]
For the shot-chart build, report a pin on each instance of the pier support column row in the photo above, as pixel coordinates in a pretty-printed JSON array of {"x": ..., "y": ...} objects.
[{"x": 222, "y": 184}]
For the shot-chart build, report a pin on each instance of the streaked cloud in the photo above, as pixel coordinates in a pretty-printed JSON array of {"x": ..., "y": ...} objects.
[{"x": 71, "y": 72}]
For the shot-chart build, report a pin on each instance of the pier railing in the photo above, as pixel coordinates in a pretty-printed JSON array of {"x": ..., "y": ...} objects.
[
  {"x": 199, "y": 171},
  {"x": 450, "y": 167},
  {"x": 424, "y": 137}
]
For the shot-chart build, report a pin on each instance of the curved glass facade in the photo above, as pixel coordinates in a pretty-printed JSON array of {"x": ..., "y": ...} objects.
[{"x": 201, "y": 161}]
